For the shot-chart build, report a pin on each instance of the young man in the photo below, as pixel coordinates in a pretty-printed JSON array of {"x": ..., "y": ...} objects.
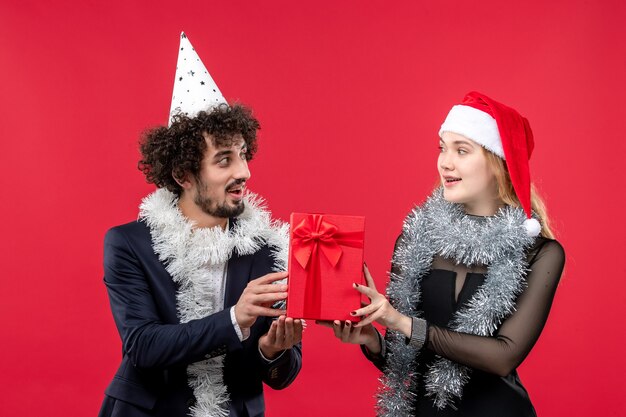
[{"x": 195, "y": 283}]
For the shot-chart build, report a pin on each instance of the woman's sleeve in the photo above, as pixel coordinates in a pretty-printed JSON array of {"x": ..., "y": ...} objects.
[
  {"x": 503, "y": 352},
  {"x": 380, "y": 359}
]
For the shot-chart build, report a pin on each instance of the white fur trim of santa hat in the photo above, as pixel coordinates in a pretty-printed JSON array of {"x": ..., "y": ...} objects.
[
  {"x": 194, "y": 89},
  {"x": 475, "y": 125}
]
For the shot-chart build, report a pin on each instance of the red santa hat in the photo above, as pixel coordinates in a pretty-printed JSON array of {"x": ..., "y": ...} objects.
[{"x": 503, "y": 131}]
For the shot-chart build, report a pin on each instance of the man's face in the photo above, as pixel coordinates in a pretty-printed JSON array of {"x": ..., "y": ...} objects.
[{"x": 218, "y": 189}]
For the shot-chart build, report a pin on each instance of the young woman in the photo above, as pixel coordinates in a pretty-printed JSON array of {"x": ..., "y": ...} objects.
[{"x": 473, "y": 276}]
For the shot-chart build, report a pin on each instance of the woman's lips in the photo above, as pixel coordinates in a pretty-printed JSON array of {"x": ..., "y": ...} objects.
[{"x": 451, "y": 182}]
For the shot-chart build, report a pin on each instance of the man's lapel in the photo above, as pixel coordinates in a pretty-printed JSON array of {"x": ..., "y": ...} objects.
[{"x": 237, "y": 274}]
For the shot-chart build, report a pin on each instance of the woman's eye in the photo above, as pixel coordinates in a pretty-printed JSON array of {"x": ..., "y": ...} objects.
[
  {"x": 462, "y": 151},
  {"x": 440, "y": 148},
  {"x": 223, "y": 161}
]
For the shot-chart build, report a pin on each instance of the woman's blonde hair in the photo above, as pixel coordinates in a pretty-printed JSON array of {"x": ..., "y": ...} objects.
[{"x": 508, "y": 196}]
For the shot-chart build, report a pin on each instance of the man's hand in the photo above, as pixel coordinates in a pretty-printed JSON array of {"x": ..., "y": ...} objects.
[
  {"x": 283, "y": 334},
  {"x": 257, "y": 299}
]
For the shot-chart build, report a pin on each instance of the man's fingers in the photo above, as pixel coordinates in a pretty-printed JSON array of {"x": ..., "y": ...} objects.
[
  {"x": 298, "y": 328},
  {"x": 269, "y": 278},
  {"x": 289, "y": 332},
  {"x": 259, "y": 299},
  {"x": 271, "y": 334},
  {"x": 280, "y": 330},
  {"x": 267, "y": 288},
  {"x": 257, "y": 311}
]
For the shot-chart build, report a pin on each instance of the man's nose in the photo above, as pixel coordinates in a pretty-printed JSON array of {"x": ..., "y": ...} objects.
[{"x": 242, "y": 172}]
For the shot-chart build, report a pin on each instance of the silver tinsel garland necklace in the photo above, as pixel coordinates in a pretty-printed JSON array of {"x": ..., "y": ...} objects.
[
  {"x": 443, "y": 228},
  {"x": 190, "y": 256}
]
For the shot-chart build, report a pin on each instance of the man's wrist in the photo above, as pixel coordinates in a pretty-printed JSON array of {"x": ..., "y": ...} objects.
[
  {"x": 271, "y": 359},
  {"x": 268, "y": 352},
  {"x": 242, "y": 332}
]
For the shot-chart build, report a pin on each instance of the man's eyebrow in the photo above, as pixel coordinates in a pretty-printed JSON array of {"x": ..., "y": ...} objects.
[{"x": 222, "y": 153}]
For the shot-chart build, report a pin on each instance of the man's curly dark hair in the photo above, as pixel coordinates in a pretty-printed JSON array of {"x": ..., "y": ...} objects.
[{"x": 173, "y": 152}]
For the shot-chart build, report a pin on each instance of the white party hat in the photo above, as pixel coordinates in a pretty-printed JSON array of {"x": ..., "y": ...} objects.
[{"x": 194, "y": 89}]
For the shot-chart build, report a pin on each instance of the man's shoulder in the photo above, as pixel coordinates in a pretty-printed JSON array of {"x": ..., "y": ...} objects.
[
  {"x": 133, "y": 237},
  {"x": 135, "y": 230}
]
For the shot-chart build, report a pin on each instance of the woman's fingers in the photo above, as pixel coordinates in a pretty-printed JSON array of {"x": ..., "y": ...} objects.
[
  {"x": 346, "y": 331},
  {"x": 369, "y": 319},
  {"x": 370, "y": 292},
  {"x": 337, "y": 328},
  {"x": 369, "y": 309},
  {"x": 368, "y": 278},
  {"x": 345, "y": 334}
]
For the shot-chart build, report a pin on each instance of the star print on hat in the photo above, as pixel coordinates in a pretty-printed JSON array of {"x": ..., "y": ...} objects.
[{"x": 194, "y": 89}]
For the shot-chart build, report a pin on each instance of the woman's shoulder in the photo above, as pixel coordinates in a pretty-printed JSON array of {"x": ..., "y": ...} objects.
[{"x": 543, "y": 248}]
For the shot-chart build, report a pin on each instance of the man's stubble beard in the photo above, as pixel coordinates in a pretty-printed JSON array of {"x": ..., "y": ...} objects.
[{"x": 207, "y": 205}]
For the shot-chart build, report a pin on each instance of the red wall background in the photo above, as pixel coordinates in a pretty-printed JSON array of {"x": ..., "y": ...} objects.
[{"x": 350, "y": 96}]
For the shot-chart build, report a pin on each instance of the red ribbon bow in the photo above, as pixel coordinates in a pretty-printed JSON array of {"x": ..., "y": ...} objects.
[{"x": 312, "y": 235}]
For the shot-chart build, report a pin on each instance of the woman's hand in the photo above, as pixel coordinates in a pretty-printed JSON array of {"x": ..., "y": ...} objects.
[
  {"x": 379, "y": 309},
  {"x": 347, "y": 332}
]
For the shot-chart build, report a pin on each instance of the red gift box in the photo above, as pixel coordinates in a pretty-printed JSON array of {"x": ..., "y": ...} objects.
[{"x": 325, "y": 259}]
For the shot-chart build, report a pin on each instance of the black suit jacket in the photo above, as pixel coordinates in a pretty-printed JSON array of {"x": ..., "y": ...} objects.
[{"x": 156, "y": 347}]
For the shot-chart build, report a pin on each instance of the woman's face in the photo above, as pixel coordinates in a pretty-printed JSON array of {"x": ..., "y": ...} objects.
[{"x": 466, "y": 176}]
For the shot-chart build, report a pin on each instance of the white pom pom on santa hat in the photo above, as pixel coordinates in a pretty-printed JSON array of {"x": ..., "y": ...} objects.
[{"x": 533, "y": 227}]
